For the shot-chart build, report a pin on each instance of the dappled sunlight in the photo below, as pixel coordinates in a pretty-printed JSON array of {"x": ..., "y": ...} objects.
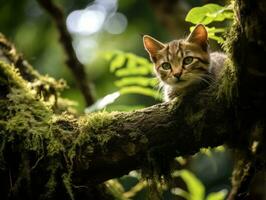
[{"x": 99, "y": 16}]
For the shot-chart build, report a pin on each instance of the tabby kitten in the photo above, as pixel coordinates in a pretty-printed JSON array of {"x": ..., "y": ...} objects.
[{"x": 182, "y": 65}]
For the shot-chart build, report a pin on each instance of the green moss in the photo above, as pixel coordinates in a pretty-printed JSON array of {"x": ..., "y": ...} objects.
[
  {"x": 27, "y": 117},
  {"x": 28, "y": 123},
  {"x": 93, "y": 122},
  {"x": 194, "y": 117},
  {"x": 48, "y": 89},
  {"x": 227, "y": 88},
  {"x": 227, "y": 85},
  {"x": 68, "y": 185}
]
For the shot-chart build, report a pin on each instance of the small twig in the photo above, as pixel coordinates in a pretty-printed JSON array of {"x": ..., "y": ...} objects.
[
  {"x": 36, "y": 163},
  {"x": 65, "y": 38}
]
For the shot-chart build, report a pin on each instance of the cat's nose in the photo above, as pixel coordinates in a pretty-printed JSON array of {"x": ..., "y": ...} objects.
[{"x": 177, "y": 75}]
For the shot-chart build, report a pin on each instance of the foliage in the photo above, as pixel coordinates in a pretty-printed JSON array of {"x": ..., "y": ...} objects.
[
  {"x": 134, "y": 73},
  {"x": 208, "y": 14},
  {"x": 135, "y": 76},
  {"x": 196, "y": 190}
]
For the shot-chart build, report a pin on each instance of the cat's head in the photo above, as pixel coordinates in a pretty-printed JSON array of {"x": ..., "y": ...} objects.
[{"x": 180, "y": 62}]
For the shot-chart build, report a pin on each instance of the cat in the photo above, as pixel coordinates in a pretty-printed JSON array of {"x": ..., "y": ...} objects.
[{"x": 185, "y": 64}]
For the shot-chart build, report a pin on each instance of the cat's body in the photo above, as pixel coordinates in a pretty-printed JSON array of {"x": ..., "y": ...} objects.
[{"x": 184, "y": 65}]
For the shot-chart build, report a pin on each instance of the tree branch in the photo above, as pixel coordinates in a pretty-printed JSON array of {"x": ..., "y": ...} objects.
[
  {"x": 72, "y": 62},
  {"x": 171, "y": 129},
  {"x": 93, "y": 148}
]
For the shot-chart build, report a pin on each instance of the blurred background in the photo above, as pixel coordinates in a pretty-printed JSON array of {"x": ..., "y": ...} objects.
[{"x": 101, "y": 29}]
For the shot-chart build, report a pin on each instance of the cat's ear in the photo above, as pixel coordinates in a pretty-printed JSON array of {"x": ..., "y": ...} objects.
[
  {"x": 152, "y": 46},
  {"x": 199, "y": 36}
]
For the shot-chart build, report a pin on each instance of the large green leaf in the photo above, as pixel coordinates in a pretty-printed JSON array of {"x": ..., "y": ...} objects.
[{"x": 209, "y": 13}]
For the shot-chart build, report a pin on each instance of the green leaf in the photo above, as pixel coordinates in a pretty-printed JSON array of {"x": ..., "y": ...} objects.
[
  {"x": 137, "y": 80},
  {"x": 217, "y": 195},
  {"x": 220, "y": 40},
  {"x": 212, "y": 33},
  {"x": 140, "y": 90},
  {"x": 195, "y": 188},
  {"x": 180, "y": 192},
  {"x": 209, "y": 13},
  {"x": 220, "y": 148},
  {"x": 206, "y": 151},
  {"x": 118, "y": 62},
  {"x": 133, "y": 71}
]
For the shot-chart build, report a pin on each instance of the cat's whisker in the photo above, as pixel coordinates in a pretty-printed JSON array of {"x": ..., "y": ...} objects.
[
  {"x": 160, "y": 87},
  {"x": 181, "y": 65},
  {"x": 207, "y": 79}
]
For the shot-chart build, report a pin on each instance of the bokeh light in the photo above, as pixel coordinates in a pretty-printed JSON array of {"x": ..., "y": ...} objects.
[
  {"x": 116, "y": 23},
  {"x": 99, "y": 16}
]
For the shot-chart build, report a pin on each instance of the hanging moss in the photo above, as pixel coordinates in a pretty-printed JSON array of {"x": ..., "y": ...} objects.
[
  {"x": 29, "y": 121},
  {"x": 29, "y": 125},
  {"x": 227, "y": 84}
]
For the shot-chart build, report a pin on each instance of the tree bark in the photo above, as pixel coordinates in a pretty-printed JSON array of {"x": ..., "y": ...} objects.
[{"x": 248, "y": 49}]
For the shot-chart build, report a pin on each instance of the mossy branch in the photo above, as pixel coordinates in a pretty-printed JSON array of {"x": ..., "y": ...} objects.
[{"x": 77, "y": 151}]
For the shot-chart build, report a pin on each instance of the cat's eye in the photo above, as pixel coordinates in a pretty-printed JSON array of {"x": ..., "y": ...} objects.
[
  {"x": 188, "y": 60},
  {"x": 166, "y": 66}
]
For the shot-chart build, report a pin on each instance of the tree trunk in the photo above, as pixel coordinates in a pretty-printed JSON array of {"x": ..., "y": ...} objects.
[{"x": 50, "y": 154}]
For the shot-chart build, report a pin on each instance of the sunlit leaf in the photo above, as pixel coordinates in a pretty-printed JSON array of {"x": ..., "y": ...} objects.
[
  {"x": 118, "y": 61},
  {"x": 209, "y": 13},
  {"x": 180, "y": 192},
  {"x": 108, "y": 55},
  {"x": 116, "y": 189},
  {"x": 220, "y": 148},
  {"x": 195, "y": 188},
  {"x": 220, "y": 40},
  {"x": 212, "y": 33},
  {"x": 133, "y": 71},
  {"x": 206, "y": 151},
  {"x": 217, "y": 195},
  {"x": 132, "y": 60},
  {"x": 135, "y": 189},
  {"x": 181, "y": 160},
  {"x": 136, "y": 80}
]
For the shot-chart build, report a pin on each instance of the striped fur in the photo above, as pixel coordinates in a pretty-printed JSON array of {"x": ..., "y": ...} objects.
[{"x": 190, "y": 60}]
